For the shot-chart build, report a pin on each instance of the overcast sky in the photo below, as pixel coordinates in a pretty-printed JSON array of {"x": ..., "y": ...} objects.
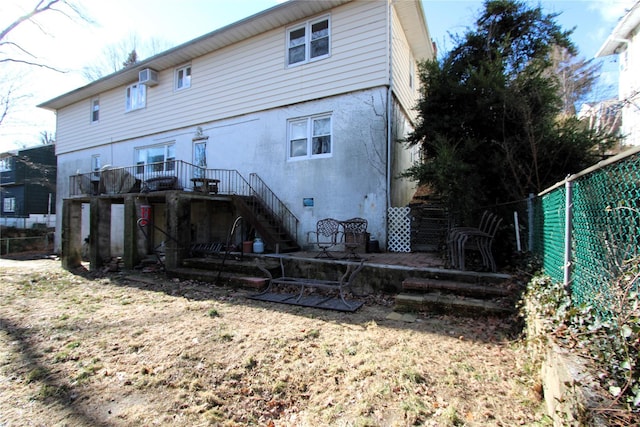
[{"x": 71, "y": 45}]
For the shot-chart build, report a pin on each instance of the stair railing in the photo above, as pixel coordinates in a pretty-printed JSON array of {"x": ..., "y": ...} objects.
[{"x": 274, "y": 205}]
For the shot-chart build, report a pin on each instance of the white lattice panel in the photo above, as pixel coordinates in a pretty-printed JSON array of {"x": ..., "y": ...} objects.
[{"x": 399, "y": 230}]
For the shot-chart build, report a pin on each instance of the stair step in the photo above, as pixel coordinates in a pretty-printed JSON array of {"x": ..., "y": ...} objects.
[
  {"x": 439, "y": 303},
  {"x": 458, "y": 288},
  {"x": 225, "y": 278}
]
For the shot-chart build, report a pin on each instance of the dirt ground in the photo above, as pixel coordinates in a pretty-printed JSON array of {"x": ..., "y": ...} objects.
[{"x": 78, "y": 349}]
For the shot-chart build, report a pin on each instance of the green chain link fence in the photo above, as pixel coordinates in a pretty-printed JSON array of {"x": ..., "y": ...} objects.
[{"x": 603, "y": 224}]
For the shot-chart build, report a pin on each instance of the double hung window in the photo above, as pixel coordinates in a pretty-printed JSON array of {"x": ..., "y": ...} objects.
[
  {"x": 155, "y": 159},
  {"x": 308, "y": 42},
  {"x": 9, "y": 204},
  {"x": 183, "y": 77},
  {"x": 136, "y": 97},
  {"x": 6, "y": 164},
  {"x": 95, "y": 110},
  {"x": 310, "y": 137}
]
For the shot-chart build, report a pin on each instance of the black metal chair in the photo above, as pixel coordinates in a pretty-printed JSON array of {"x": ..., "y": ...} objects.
[
  {"x": 325, "y": 236},
  {"x": 354, "y": 234}
]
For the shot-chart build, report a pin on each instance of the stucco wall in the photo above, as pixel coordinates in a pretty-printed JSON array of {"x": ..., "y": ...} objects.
[{"x": 350, "y": 183}]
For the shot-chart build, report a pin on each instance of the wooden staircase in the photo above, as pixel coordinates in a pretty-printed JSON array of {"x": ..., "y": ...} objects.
[
  {"x": 273, "y": 233},
  {"x": 456, "y": 297}
]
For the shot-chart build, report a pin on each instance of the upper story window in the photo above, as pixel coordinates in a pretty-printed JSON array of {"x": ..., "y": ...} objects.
[
  {"x": 95, "y": 110},
  {"x": 136, "y": 97},
  {"x": 183, "y": 77},
  {"x": 157, "y": 158},
  {"x": 308, "y": 42},
  {"x": 6, "y": 164},
  {"x": 310, "y": 137}
]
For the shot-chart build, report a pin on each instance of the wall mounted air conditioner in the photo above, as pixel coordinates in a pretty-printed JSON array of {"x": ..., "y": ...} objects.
[{"x": 148, "y": 77}]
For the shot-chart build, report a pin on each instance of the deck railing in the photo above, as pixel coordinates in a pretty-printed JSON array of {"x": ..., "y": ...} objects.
[
  {"x": 180, "y": 175},
  {"x": 171, "y": 175}
]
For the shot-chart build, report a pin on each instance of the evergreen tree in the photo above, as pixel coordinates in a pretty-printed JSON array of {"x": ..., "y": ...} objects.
[{"x": 490, "y": 122}]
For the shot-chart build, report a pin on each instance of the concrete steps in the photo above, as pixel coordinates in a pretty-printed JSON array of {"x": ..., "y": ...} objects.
[
  {"x": 454, "y": 297},
  {"x": 235, "y": 271}
]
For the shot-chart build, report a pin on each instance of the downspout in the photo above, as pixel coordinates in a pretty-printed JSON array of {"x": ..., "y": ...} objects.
[{"x": 389, "y": 111}]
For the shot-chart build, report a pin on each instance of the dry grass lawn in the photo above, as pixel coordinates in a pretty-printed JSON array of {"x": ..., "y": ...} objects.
[{"x": 109, "y": 351}]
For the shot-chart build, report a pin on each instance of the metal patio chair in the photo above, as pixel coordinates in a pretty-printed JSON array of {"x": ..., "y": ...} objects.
[{"x": 325, "y": 236}]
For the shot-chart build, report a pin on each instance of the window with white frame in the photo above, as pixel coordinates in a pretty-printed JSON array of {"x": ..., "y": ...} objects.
[
  {"x": 136, "y": 97},
  {"x": 96, "y": 164},
  {"x": 310, "y": 137},
  {"x": 308, "y": 42},
  {"x": 6, "y": 164},
  {"x": 183, "y": 77},
  {"x": 156, "y": 158},
  {"x": 9, "y": 204},
  {"x": 95, "y": 110}
]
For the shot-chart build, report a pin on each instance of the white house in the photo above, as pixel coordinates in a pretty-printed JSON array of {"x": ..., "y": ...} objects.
[
  {"x": 625, "y": 42},
  {"x": 311, "y": 97}
]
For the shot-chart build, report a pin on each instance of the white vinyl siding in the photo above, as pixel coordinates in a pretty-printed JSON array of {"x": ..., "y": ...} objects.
[
  {"x": 230, "y": 84},
  {"x": 402, "y": 65}
]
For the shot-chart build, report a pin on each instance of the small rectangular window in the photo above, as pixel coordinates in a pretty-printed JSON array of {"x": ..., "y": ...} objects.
[
  {"x": 308, "y": 42},
  {"x": 136, "y": 97},
  {"x": 6, "y": 164},
  {"x": 183, "y": 77},
  {"x": 9, "y": 204},
  {"x": 96, "y": 164},
  {"x": 310, "y": 137},
  {"x": 95, "y": 110}
]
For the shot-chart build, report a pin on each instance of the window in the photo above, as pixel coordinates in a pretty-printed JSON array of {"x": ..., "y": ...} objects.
[
  {"x": 158, "y": 158},
  {"x": 136, "y": 97},
  {"x": 310, "y": 137},
  {"x": 308, "y": 42},
  {"x": 9, "y": 204},
  {"x": 6, "y": 164},
  {"x": 95, "y": 166},
  {"x": 183, "y": 77},
  {"x": 95, "y": 110}
]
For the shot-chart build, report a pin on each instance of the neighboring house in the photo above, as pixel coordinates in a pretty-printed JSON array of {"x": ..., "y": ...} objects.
[
  {"x": 604, "y": 116},
  {"x": 28, "y": 187},
  {"x": 624, "y": 41},
  {"x": 303, "y": 106}
]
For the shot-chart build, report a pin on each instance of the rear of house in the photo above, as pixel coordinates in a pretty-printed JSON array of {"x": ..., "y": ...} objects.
[{"x": 313, "y": 98}]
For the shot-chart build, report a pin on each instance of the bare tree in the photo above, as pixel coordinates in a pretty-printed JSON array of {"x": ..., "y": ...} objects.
[
  {"x": 122, "y": 54},
  {"x": 16, "y": 53}
]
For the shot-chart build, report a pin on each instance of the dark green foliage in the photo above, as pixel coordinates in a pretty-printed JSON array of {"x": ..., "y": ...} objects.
[{"x": 490, "y": 121}]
